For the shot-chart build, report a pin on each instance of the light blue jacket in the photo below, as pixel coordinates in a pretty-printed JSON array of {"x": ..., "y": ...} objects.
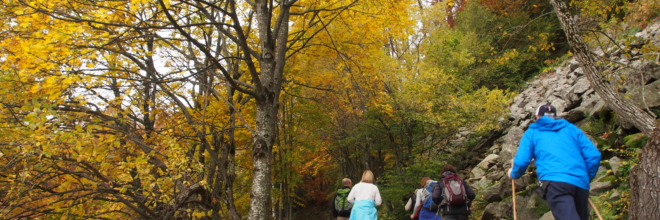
[
  {"x": 364, "y": 210},
  {"x": 561, "y": 152}
]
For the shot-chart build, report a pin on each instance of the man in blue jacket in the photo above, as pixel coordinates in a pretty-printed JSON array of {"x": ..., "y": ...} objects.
[{"x": 565, "y": 159}]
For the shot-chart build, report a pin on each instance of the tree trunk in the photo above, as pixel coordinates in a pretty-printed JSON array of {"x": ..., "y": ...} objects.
[
  {"x": 645, "y": 177},
  {"x": 273, "y": 47},
  {"x": 645, "y": 182}
]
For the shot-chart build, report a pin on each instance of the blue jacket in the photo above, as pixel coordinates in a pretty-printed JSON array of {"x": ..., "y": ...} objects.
[{"x": 561, "y": 152}]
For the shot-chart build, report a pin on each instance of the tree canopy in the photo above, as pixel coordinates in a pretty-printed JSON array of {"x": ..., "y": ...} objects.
[{"x": 224, "y": 109}]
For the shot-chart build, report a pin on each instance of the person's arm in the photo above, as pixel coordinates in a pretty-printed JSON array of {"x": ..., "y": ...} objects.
[
  {"x": 437, "y": 192},
  {"x": 332, "y": 206},
  {"x": 418, "y": 202},
  {"x": 590, "y": 153},
  {"x": 523, "y": 156},
  {"x": 351, "y": 195},
  {"x": 377, "y": 200},
  {"x": 409, "y": 206},
  {"x": 468, "y": 190}
]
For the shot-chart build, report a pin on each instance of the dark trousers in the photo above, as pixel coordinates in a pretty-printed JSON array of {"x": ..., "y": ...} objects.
[
  {"x": 455, "y": 217},
  {"x": 567, "y": 202}
]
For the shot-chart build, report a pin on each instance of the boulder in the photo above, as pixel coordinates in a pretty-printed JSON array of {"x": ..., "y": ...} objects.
[
  {"x": 574, "y": 115},
  {"x": 491, "y": 194},
  {"x": 482, "y": 184},
  {"x": 478, "y": 172},
  {"x": 525, "y": 206},
  {"x": 624, "y": 123},
  {"x": 489, "y": 160},
  {"x": 651, "y": 97},
  {"x": 495, "y": 175},
  {"x": 496, "y": 211},
  {"x": 547, "y": 216},
  {"x": 581, "y": 86},
  {"x": 615, "y": 164},
  {"x": 510, "y": 146},
  {"x": 600, "y": 187},
  {"x": 615, "y": 196},
  {"x": 521, "y": 184}
]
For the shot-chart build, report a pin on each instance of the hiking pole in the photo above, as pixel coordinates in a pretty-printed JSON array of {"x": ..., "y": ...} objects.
[
  {"x": 595, "y": 209},
  {"x": 513, "y": 187}
]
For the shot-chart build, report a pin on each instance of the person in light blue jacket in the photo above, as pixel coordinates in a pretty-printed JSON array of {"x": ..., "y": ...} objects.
[{"x": 566, "y": 161}]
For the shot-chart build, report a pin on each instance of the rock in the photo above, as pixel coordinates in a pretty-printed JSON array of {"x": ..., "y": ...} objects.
[
  {"x": 614, "y": 197},
  {"x": 491, "y": 194},
  {"x": 574, "y": 115},
  {"x": 600, "y": 187},
  {"x": 482, "y": 184},
  {"x": 525, "y": 206},
  {"x": 581, "y": 86},
  {"x": 579, "y": 71},
  {"x": 602, "y": 170},
  {"x": 625, "y": 124},
  {"x": 599, "y": 106},
  {"x": 510, "y": 146},
  {"x": 495, "y": 175},
  {"x": 521, "y": 184},
  {"x": 493, "y": 169},
  {"x": 615, "y": 163},
  {"x": 478, "y": 172},
  {"x": 490, "y": 159},
  {"x": 525, "y": 124},
  {"x": 495, "y": 148},
  {"x": 559, "y": 104},
  {"x": 573, "y": 64},
  {"x": 651, "y": 97},
  {"x": 547, "y": 216},
  {"x": 496, "y": 211}
]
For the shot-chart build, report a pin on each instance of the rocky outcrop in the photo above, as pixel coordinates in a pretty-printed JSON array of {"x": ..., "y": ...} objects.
[{"x": 569, "y": 91}]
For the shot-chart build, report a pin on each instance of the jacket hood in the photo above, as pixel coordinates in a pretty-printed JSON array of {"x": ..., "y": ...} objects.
[{"x": 548, "y": 124}]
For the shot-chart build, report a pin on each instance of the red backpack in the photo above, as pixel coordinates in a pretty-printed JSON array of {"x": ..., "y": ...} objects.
[{"x": 454, "y": 191}]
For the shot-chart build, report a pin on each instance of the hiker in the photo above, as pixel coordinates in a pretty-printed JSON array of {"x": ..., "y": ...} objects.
[
  {"x": 425, "y": 208},
  {"x": 341, "y": 208},
  {"x": 453, "y": 195},
  {"x": 410, "y": 205},
  {"x": 566, "y": 161},
  {"x": 365, "y": 197}
]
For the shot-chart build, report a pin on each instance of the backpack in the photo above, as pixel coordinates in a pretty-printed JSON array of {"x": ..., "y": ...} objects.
[
  {"x": 454, "y": 191},
  {"x": 341, "y": 201},
  {"x": 427, "y": 201}
]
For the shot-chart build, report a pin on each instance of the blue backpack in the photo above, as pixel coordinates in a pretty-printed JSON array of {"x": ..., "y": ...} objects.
[{"x": 428, "y": 201}]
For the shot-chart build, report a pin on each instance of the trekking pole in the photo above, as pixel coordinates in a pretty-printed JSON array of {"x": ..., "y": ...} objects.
[
  {"x": 595, "y": 209},
  {"x": 513, "y": 187}
]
